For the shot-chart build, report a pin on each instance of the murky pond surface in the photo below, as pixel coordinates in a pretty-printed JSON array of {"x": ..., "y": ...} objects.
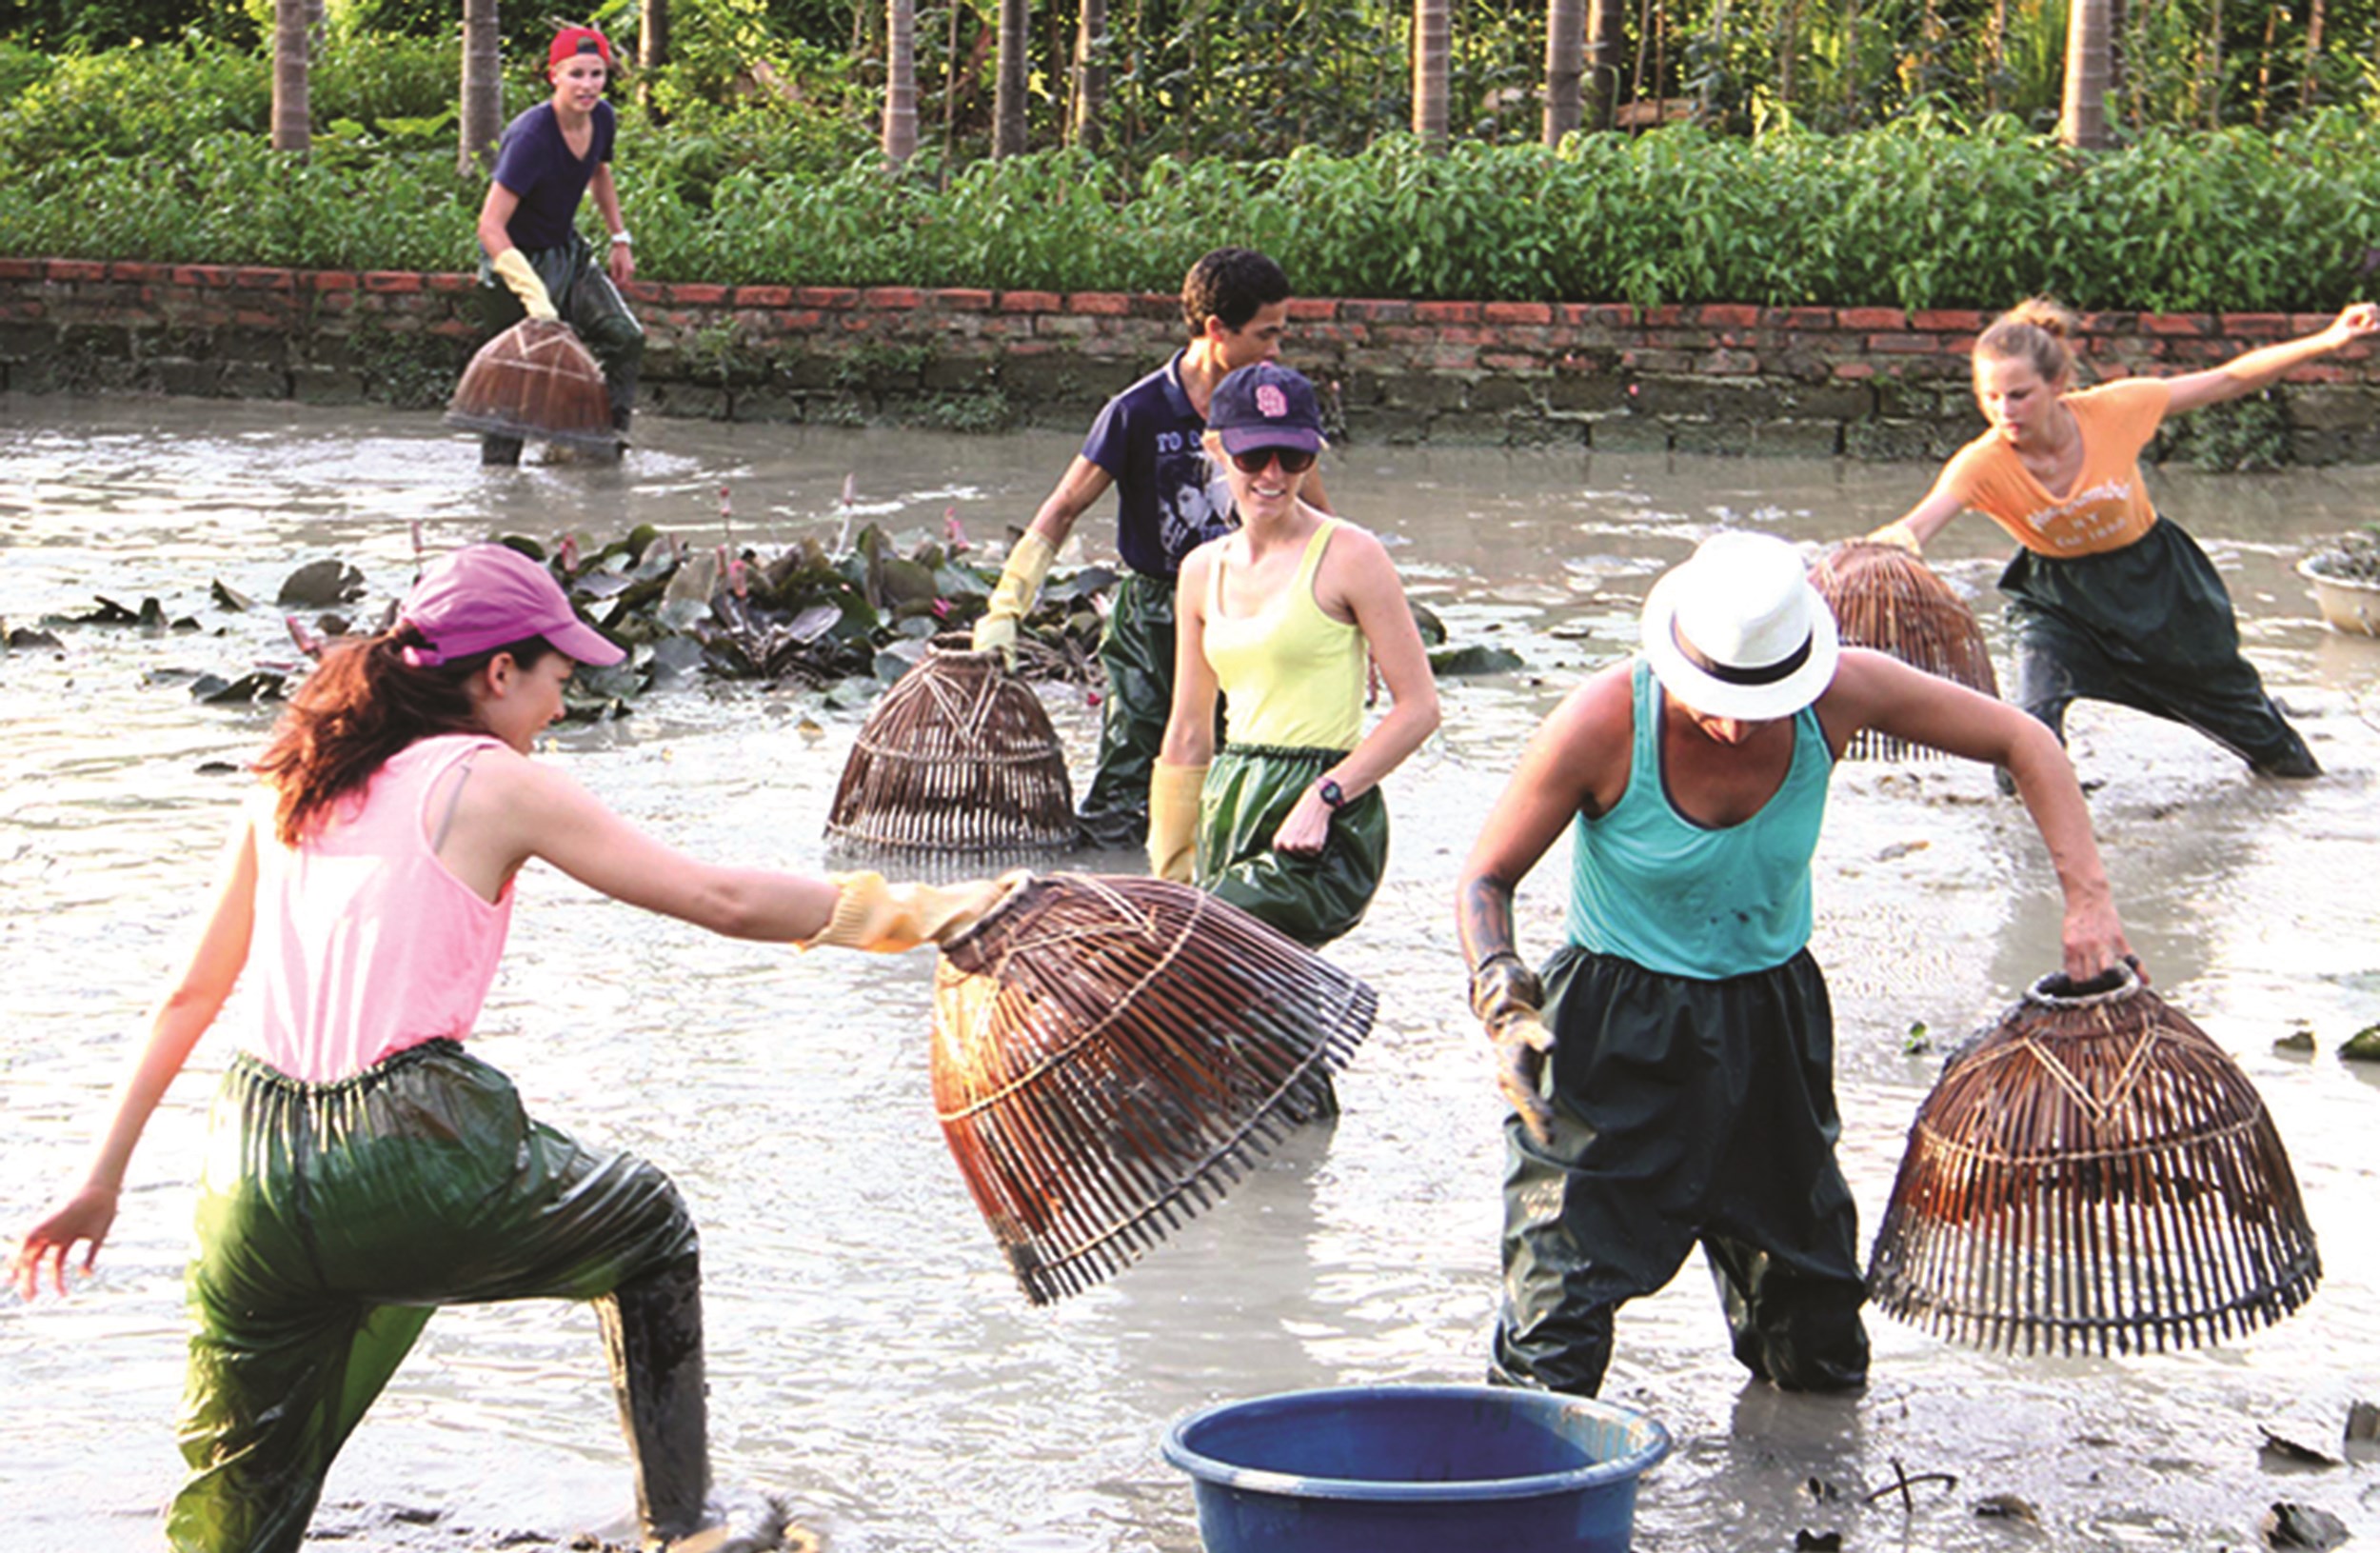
[{"x": 870, "y": 1356}]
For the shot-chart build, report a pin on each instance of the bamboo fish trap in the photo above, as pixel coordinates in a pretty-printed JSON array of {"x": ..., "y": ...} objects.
[
  {"x": 960, "y": 756},
  {"x": 537, "y": 382},
  {"x": 1885, "y": 598},
  {"x": 2096, "y": 1175},
  {"x": 1110, "y": 1055}
]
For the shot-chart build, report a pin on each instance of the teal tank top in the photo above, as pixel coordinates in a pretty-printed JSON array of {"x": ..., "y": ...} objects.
[{"x": 1651, "y": 886}]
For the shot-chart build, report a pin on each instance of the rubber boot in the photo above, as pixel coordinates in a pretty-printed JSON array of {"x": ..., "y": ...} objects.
[
  {"x": 499, "y": 452},
  {"x": 652, "y": 1330},
  {"x": 620, "y": 416}
]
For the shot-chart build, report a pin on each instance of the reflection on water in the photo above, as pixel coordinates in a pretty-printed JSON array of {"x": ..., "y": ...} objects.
[{"x": 870, "y": 1355}]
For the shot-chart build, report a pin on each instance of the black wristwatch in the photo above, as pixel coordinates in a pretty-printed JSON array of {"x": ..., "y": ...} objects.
[{"x": 1330, "y": 793}]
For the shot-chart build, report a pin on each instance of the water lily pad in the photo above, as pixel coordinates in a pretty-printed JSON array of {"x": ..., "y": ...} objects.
[
  {"x": 320, "y": 584},
  {"x": 260, "y": 684}
]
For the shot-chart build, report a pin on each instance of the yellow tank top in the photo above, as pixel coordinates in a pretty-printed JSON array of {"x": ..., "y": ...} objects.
[{"x": 1291, "y": 675}]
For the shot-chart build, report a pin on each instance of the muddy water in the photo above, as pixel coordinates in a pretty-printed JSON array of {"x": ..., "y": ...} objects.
[{"x": 871, "y": 1359}]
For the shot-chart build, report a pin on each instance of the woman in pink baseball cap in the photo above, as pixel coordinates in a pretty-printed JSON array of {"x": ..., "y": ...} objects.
[{"x": 367, "y": 1168}]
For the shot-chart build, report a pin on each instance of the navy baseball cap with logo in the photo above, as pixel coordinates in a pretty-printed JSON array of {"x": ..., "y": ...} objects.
[{"x": 1265, "y": 405}]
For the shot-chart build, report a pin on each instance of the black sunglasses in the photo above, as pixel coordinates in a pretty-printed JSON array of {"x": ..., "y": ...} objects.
[{"x": 1293, "y": 460}]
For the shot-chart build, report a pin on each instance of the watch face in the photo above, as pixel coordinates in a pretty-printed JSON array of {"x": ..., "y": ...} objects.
[{"x": 1331, "y": 795}]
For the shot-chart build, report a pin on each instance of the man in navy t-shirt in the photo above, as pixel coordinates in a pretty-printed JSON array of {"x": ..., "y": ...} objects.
[
  {"x": 1169, "y": 500},
  {"x": 536, "y": 262}
]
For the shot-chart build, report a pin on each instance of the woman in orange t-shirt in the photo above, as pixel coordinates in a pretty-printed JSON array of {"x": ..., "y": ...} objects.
[{"x": 2107, "y": 601}]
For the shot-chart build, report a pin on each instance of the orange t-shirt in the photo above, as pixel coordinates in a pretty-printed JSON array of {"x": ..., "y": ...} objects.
[{"x": 2108, "y": 508}]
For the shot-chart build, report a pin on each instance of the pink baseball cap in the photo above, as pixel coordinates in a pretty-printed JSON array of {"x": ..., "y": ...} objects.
[{"x": 484, "y": 596}]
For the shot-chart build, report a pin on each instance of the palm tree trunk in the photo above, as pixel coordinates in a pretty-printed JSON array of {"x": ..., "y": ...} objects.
[
  {"x": 2083, "y": 120},
  {"x": 1565, "y": 64},
  {"x": 1090, "y": 75},
  {"x": 652, "y": 46},
  {"x": 1607, "y": 42},
  {"x": 292, "y": 129},
  {"x": 1431, "y": 26},
  {"x": 2313, "y": 56},
  {"x": 1009, "y": 79},
  {"x": 901, "y": 80},
  {"x": 483, "y": 88}
]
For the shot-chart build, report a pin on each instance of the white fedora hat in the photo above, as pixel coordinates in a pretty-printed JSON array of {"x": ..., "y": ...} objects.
[{"x": 1737, "y": 631}]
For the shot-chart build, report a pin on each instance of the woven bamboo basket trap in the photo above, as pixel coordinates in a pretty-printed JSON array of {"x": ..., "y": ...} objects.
[
  {"x": 1885, "y": 598},
  {"x": 536, "y": 381},
  {"x": 2094, "y": 1175},
  {"x": 959, "y": 756},
  {"x": 1111, "y": 1054}
]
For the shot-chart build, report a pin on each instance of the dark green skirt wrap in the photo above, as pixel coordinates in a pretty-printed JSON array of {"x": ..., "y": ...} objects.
[
  {"x": 1249, "y": 791},
  {"x": 332, "y": 1219},
  {"x": 1137, "y": 652},
  {"x": 2147, "y": 627},
  {"x": 1684, "y": 1111}
]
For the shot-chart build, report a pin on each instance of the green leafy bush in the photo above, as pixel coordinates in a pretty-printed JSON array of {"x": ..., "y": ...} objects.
[{"x": 159, "y": 152}]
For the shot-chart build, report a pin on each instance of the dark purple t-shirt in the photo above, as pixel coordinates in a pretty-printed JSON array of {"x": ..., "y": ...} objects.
[
  {"x": 1170, "y": 498},
  {"x": 535, "y": 163}
]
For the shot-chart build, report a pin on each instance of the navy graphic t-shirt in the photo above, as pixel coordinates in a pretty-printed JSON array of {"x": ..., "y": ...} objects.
[
  {"x": 535, "y": 163},
  {"x": 1170, "y": 499}
]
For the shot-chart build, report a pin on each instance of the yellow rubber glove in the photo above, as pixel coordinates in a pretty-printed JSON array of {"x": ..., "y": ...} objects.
[
  {"x": 1174, "y": 819},
  {"x": 888, "y": 919},
  {"x": 1029, "y": 561},
  {"x": 1507, "y": 996},
  {"x": 1898, "y": 534},
  {"x": 512, "y": 268}
]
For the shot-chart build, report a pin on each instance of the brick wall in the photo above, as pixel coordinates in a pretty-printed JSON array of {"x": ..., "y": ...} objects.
[{"x": 1869, "y": 382}]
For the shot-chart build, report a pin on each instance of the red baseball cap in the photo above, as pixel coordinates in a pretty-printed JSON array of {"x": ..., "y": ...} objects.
[
  {"x": 485, "y": 596},
  {"x": 578, "y": 40}
]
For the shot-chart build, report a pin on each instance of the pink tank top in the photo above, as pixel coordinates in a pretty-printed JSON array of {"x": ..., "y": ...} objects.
[{"x": 364, "y": 943}]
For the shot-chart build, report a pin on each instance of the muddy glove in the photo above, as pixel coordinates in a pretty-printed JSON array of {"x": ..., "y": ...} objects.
[
  {"x": 1506, "y": 995},
  {"x": 512, "y": 268},
  {"x": 887, "y": 919},
  {"x": 1029, "y": 561},
  {"x": 1897, "y": 534},
  {"x": 1174, "y": 819}
]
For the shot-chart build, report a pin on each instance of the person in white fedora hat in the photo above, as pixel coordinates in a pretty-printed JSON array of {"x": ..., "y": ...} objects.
[{"x": 1670, "y": 1067}]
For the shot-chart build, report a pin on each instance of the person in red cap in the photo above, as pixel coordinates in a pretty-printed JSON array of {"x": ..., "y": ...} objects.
[
  {"x": 535, "y": 263},
  {"x": 366, "y": 1166}
]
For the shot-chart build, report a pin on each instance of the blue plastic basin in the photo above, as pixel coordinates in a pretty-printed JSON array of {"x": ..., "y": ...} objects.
[{"x": 1416, "y": 1469}]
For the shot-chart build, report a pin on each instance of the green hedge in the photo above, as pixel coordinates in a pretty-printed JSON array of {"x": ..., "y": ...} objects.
[{"x": 99, "y": 162}]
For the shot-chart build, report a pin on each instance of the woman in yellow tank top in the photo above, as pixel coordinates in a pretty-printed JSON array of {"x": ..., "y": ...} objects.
[{"x": 1276, "y": 618}]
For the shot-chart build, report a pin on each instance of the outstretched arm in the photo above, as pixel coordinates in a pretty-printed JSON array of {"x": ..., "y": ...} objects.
[
  {"x": 2258, "y": 368},
  {"x": 1912, "y": 529},
  {"x": 85, "y": 1216},
  {"x": 1873, "y": 690}
]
